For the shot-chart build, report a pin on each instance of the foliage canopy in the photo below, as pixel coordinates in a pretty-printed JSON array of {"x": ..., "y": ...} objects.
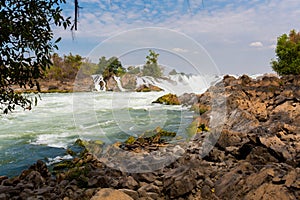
[
  {"x": 110, "y": 67},
  {"x": 26, "y": 44},
  {"x": 151, "y": 68},
  {"x": 65, "y": 68},
  {"x": 288, "y": 54}
]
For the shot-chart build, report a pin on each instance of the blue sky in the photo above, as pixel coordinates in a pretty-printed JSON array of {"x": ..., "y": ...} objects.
[{"x": 239, "y": 36}]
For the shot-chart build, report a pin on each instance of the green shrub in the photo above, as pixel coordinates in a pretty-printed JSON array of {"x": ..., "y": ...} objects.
[{"x": 288, "y": 54}]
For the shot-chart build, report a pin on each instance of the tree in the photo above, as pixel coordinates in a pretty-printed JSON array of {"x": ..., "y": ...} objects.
[
  {"x": 133, "y": 70},
  {"x": 288, "y": 54},
  {"x": 151, "y": 68},
  {"x": 173, "y": 72},
  {"x": 65, "y": 68},
  {"x": 102, "y": 64},
  {"x": 26, "y": 44},
  {"x": 113, "y": 68}
]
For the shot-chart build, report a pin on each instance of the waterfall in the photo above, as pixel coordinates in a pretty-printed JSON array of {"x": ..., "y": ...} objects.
[
  {"x": 117, "y": 79},
  {"x": 99, "y": 82},
  {"x": 179, "y": 83}
]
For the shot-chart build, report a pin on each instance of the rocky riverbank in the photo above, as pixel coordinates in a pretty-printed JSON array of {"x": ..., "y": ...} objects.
[
  {"x": 85, "y": 84},
  {"x": 256, "y": 154}
]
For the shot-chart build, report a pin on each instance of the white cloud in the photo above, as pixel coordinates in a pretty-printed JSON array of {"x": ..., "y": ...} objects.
[
  {"x": 256, "y": 44},
  {"x": 273, "y": 46},
  {"x": 222, "y": 26},
  {"x": 180, "y": 50}
]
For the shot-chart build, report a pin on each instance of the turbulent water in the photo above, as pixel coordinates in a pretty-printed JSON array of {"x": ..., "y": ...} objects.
[{"x": 59, "y": 120}]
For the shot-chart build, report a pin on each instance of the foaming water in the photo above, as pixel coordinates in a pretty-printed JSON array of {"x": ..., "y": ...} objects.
[
  {"x": 176, "y": 84},
  {"x": 59, "y": 120}
]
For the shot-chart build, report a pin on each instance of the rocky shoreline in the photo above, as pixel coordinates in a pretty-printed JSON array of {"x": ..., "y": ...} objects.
[{"x": 255, "y": 156}]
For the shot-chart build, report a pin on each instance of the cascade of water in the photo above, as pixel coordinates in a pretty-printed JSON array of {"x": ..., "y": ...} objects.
[
  {"x": 179, "y": 83},
  {"x": 117, "y": 79},
  {"x": 100, "y": 84}
]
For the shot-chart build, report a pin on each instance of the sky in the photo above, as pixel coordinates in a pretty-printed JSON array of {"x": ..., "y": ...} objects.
[{"x": 231, "y": 36}]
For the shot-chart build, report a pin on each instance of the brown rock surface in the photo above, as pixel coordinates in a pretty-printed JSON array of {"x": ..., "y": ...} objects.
[{"x": 110, "y": 194}]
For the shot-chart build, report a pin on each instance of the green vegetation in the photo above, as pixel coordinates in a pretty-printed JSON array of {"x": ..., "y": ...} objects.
[
  {"x": 108, "y": 68},
  {"x": 133, "y": 70},
  {"x": 200, "y": 108},
  {"x": 196, "y": 127},
  {"x": 26, "y": 44},
  {"x": 151, "y": 68},
  {"x": 130, "y": 140},
  {"x": 288, "y": 54},
  {"x": 65, "y": 68},
  {"x": 148, "y": 88},
  {"x": 113, "y": 67},
  {"x": 173, "y": 72},
  {"x": 155, "y": 136}
]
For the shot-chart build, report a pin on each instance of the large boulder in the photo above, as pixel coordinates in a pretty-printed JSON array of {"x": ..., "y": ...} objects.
[
  {"x": 148, "y": 88},
  {"x": 168, "y": 99},
  {"x": 110, "y": 194}
]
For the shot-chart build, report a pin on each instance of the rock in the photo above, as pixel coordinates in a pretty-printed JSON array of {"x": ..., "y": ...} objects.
[
  {"x": 229, "y": 80},
  {"x": 179, "y": 182},
  {"x": 148, "y": 88},
  {"x": 146, "y": 177},
  {"x": 269, "y": 191},
  {"x": 152, "y": 195},
  {"x": 275, "y": 144},
  {"x": 111, "y": 85},
  {"x": 241, "y": 121},
  {"x": 53, "y": 87},
  {"x": 200, "y": 108},
  {"x": 129, "y": 81},
  {"x": 168, "y": 99},
  {"x": 188, "y": 99},
  {"x": 41, "y": 167},
  {"x": 110, "y": 194},
  {"x": 150, "y": 188},
  {"x": 3, "y": 196},
  {"x": 133, "y": 194},
  {"x": 130, "y": 183},
  {"x": 231, "y": 138},
  {"x": 89, "y": 193},
  {"x": 257, "y": 155},
  {"x": 2, "y": 178},
  {"x": 228, "y": 186},
  {"x": 290, "y": 178}
]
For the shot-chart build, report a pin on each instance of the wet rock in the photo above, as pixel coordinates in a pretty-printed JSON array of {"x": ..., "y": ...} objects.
[
  {"x": 111, "y": 85},
  {"x": 129, "y": 81},
  {"x": 2, "y": 178},
  {"x": 148, "y": 88},
  {"x": 188, "y": 99}
]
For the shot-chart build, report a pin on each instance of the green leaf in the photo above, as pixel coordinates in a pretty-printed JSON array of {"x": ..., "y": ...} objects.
[{"x": 58, "y": 39}]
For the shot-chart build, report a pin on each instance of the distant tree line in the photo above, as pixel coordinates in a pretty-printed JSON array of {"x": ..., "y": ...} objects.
[{"x": 66, "y": 68}]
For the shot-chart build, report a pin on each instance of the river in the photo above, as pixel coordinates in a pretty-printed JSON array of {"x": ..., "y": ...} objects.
[{"x": 46, "y": 131}]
